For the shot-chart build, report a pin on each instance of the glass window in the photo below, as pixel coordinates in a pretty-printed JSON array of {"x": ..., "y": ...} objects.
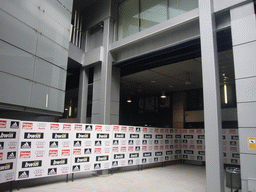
[
  {"x": 128, "y": 22},
  {"x": 152, "y": 12},
  {"x": 177, "y": 7}
]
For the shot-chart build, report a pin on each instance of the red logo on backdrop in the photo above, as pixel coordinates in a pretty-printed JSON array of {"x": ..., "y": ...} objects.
[
  {"x": 1, "y": 156},
  {"x": 77, "y": 152},
  {"x": 3, "y": 124},
  {"x": 185, "y": 146},
  {"x": 191, "y": 146},
  {"x": 156, "y": 147},
  {"x": 25, "y": 154},
  {"x": 67, "y": 127},
  {"x": 116, "y": 128},
  {"x": 124, "y": 129},
  {"x": 78, "y": 127},
  {"x": 176, "y": 131},
  {"x": 192, "y": 131},
  {"x": 184, "y": 131},
  {"x": 97, "y": 150},
  {"x": 115, "y": 149},
  {"x": 131, "y": 129},
  {"x": 199, "y": 146},
  {"x": 123, "y": 149},
  {"x": 27, "y": 126},
  {"x": 130, "y": 148},
  {"x": 98, "y": 128},
  {"x": 166, "y": 146},
  {"x": 145, "y": 130},
  {"x": 161, "y": 130},
  {"x": 65, "y": 152},
  {"x": 161, "y": 147},
  {"x": 144, "y": 148},
  {"x": 53, "y": 153},
  {"x": 199, "y": 131},
  {"x": 55, "y": 127},
  {"x": 232, "y": 131},
  {"x": 166, "y": 130},
  {"x": 233, "y": 149},
  {"x": 176, "y": 146},
  {"x": 156, "y": 130}
]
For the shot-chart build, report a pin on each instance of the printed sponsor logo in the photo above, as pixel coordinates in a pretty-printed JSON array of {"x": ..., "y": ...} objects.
[
  {"x": 76, "y": 168},
  {"x": 25, "y": 154},
  {"x": 223, "y": 137},
  {"x": 130, "y": 162},
  {"x": 144, "y": 142},
  {"x": 1, "y": 156},
  {"x": 137, "y": 148},
  {"x": 26, "y": 145},
  {"x": 184, "y": 141},
  {"x": 102, "y": 136},
  {"x": 134, "y": 155},
  {"x": 191, "y": 146},
  {"x": 114, "y": 163},
  {"x": 201, "y": 152},
  {"x": 11, "y": 155},
  {"x": 156, "y": 142},
  {"x": 119, "y": 135},
  {"x": 134, "y": 136},
  {"x": 87, "y": 151},
  {"x": 97, "y": 143},
  {"x": 156, "y": 130},
  {"x": 192, "y": 131},
  {"x": 166, "y": 146},
  {"x": 169, "y": 136},
  {"x": 64, "y": 169},
  {"x": 144, "y": 130},
  {"x": 147, "y": 154},
  {"x": 98, "y": 128},
  {"x": 188, "y": 152},
  {"x": 159, "y": 136},
  {"x": 155, "y": 147},
  {"x": 119, "y": 156},
  {"x": 1, "y": 145},
  {"x": 232, "y": 131},
  {"x": 144, "y": 160},
  {"x": 38, "y": 172},
  {"x": 199, "y": 147},
  {"x": 124, "y": 129},
  {"x": 41, "y": 126},
  {"x": 166, "y": 158},
  {"x": 161, "y": 130},
  {"x": 233, "y": 149},
  {"x": 102, "y": 158},
  {"x": 82, "y": 159},
  {"x": 3, "y": 124},
  {"x": 31, "y": 164},
  {"x": 115, "y": 149},
  {"x": 177, "y": 151},
  {"x": 55, "y": 127},
  {"x": 235, "y": 137},
  {"x": 199, "y": 142},
  {"x": 144, "y": 148},
  {"x": 27, "y": 126},
  {"x": 65, "y": 152},
  {"x": 161, "y": 147},
  {"x": 77, "y": 152},
  {"x": 60, "y": 135},
  {"x": 78, "y": 127},
  {"x": 235, "y": 155},
  {"x": 138, "y": 129},
  {"x": 115, "y": 142},
  {"x": 176, "y": 141},
  {"x": 97, "y": 151},
  {"x": 233, "y": 143},
  {"x": 66, "y": 127},
  {"x": 147, "y": 136},
  {"x": 54, "y": 144},
  {"x": 88, "y": 128},
  {"x": 130, "y": 142},
  {"x": 178, "y": 136},
  {"x": 131, "y": 129},
  {"x": 23, "y": 174},
  {"x": 188, "y": 136},
  {"x": 116, "y": 128},
  {"x": 53, "y": 153},
  {"x": 40, "y": 144},
  {"x": 123, "y": 149},
  {"x": 159, "y": 153},
  {"x": 65, "y": 143},
  {"x": 224, "y": 154},
  {"x": 234, "y": 161},
  {"x": 199, "y": 131},
  {"x": 156, "y": 159},
  {"x": 130, "y": 148},
  {"x": 9, "y": 176},
  {"x": 7, "y": 135},
  {"x": 59, "y": 161},
  {"x": 199, "y": 158},
  {"x": 52, "y": 171},
  {"x": 169, "y": 152},
  {"x": 185, "y": 156},
  {"x": 200, "y": 136},
  {"x": 83, "y": 135},
  {"x": 97, "y": 166},
  {"x": 167, "y": 141},
  {"x": 33, "y": 135},
  {"x": 77, "y": 143},
  {"x": 6, "y": 166}
]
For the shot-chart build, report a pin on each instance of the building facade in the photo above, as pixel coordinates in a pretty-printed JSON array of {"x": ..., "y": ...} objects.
[{"x": 111, "y": 41}]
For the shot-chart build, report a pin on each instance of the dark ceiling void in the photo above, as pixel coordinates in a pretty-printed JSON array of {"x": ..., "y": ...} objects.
[
  {"x": 73, "y": 73},
  {"x": 178, "y": 53}
]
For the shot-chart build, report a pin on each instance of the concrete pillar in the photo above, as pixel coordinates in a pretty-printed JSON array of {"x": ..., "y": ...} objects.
[
  {"x": 82, "y": 96},
  {"x": 179, "y": 109},
  {"x": 212, "y": 103},
  {"x": 243, "y": 28}
]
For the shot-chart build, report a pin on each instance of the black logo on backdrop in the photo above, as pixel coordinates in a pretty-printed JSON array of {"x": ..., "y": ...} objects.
[
  {"x": 171, "y": 146},
  {"x": 119, "y": 156},
  {"x": 137, "y": 129},
  {"x": 97, "y": 166},
  {"x": 102, "y": 136},
  {"x": 235, "y": 137},
  {"x": 114, "y": 163},
  {"x": 76, "y": 168},
  {"x": 83, "y": 135},
  {"x": 59, "y": 161},
  {"x": 31, "y": 164},
  {"x": 224, "y": 154},
  {"x": 60, "y": 135},
  {"x": 6, "y": 166},
  {"x": 87, "y": 151},
  {"x": 102, "y": 158},
  {"x": 159, "y": 153},
  {"x": 169, "y": 152},
  {"x": 200, "y": 136},
  {"x": 130, "y": 162},
  {"x": 233, "y": 143},
  {"x": 77, "y": 143},
  {"x": 223, "y": 137},
  {"x": 11, "y": 155},
  {"x": 188, "y": 136},
  {"x": 52, "y": 171},
  {"x": 137, "y": 148},
  {"x": 199, "y": 142},
  {"x": 178, "y": 136},
  {"x": 115, "y": 142},
  {"x": 176, "y": 141},
  {"x": 148, "y": 154},
  {"x": 184, "y": 141},
  {"x": 235, "y": 155},
  {"x": 144, "y": 160},
  {"x": 188, "y": 152},
  {"x": 156, "y": 142},
  {"x": 144, "y": 142},
  {"x": 97, "y": 143},
  {"x": 147, "y": 136},
  {"x": 200, "y": 158},
  {"x": 82, "y": 159},
  {"x": 234, "y": 161},
  {"x": 171, "y": 130},
  {"x": 134, "y": 155},
  {"x": 185, "y": 156},
  {"x": 159, "y": 136},
  {"x": 54, "y": 144},
  {"x": 166, "y": 158},
  {"x": 7, "y": 135},
  {"x": 26, "y": 145},
  {"x": 1, "y": 145},
  {"x": 166, "y": 141},
  {"x": 23, "y": 174},
  {"x": 177, "y": 151},
  {"x": 119, "y": 135},
  {"x": 33, "y": 135},
  {"x": 169, "y": 136},
  {"x": 134, "y": 136},
  {"x": 15, "y": 124},
  {"x": 201, "y": 152},
  {"x": 156, "y": 159},
  {"x": 130, "y": 142},
  {"x": 88, "y": 128}
]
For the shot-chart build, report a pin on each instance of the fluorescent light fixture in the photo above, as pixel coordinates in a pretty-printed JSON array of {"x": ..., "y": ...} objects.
[
  {"x": 70, "y": 111},
  {"x": 225, "y": 94},
  {"x": 163, "y": 96},
  {"x": 46, "y": 100},
  {"x": 187, "y": 82}
]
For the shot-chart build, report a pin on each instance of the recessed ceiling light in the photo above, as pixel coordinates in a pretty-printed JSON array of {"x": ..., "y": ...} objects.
[
  {"x": 153, "y": 81},
  {"x": 170, "y": 86}
]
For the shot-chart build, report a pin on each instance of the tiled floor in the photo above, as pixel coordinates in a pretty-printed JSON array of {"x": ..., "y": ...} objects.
[{"x": 176, "y": 178}]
